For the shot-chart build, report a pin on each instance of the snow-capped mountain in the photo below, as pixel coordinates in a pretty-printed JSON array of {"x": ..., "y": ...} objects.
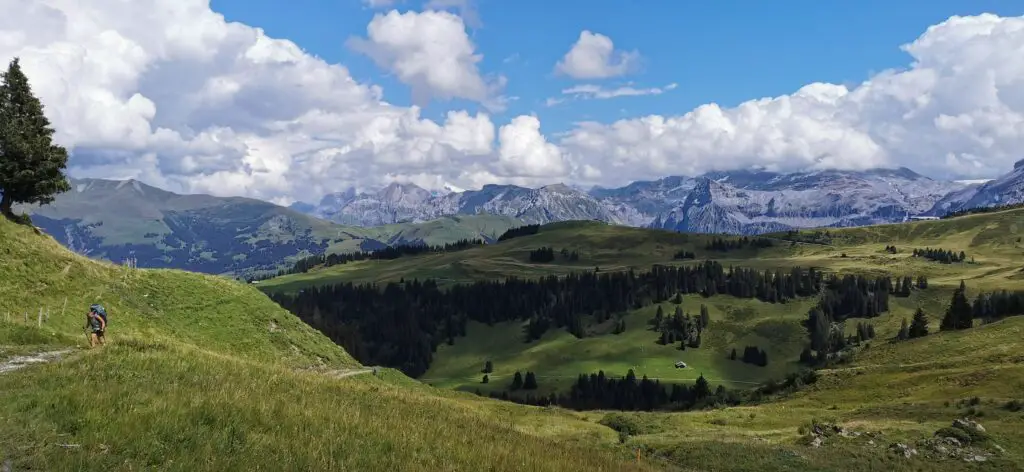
[{"x": 744, "y": 201}]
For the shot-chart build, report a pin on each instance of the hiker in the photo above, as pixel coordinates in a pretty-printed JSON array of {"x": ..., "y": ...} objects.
[{"x": 96, "y": 323}]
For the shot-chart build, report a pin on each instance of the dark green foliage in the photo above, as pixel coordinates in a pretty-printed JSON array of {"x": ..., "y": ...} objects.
[
  {"x": 919, "y": 325},
  {"x": 517, "y": 381},
  {"x": 571, "y": 256},
  {"x": 732, "y": 355},
  {"x": 701, "y": 388},
  {"x": 850, "y": 296},
  {"x": 959, "y": 315},
  {"x": 519, "y": 231},
  {"x": 754, "y": 355},
  {"x": 725, "y": 245},
  {"x": 542, "y": 255},
  {"x": 31, "y": 166},
  {"x": 810, "y": 237},
  {"x": 531, "y": 381},
  {"x": 683, "y": 254},
  {"x": 922, "y": 282},
  {"x": 678, "y": 299},
  {"x": 940, "y": 255},
  {"x": 399, "y": 324},
  {"x": 488, "y": 367},
  {"x": 391, "y": 252},
  {"x": 891, "y": 249},
  {"x": 486, "y": 379},
  {"x": 626, "y": 424}
]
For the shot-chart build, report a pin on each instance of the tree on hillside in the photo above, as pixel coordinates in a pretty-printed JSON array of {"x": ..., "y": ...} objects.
[
  {"x": 488, "y": 367},
  {"x": 918, "y": 325},
  {"x": 31, "y": 166},
  {"x": 531, "y": 381},
  {"x": 486, "y": 379},
  {"x": 959, "y": 315},
  {"x": 517, "y": 381},
  {"x": 701, "y": 389}
]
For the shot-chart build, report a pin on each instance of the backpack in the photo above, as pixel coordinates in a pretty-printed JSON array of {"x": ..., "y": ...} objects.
[{"x": 101, "y": 311}]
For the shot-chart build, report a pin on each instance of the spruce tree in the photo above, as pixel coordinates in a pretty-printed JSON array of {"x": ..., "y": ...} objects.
[
  {"x": 517, "y": 381},
  {"x": 918, "y": 325},
  {"x": 485, "y": 379},
  {"x": 531, "y": 381},
  {"x": 488, "y": 367},
  {"x": 31, "y": 166},
  {"x": 959, "y": 314},
  {"x": 701, "y": 389},
  {"x": 904, "y": 331}
]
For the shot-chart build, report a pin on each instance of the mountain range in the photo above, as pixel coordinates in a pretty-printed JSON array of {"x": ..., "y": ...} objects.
[
  {"x": 741, "y": 202},
  {"x": 127, "y": 219},
  {"x": 118, "y": 220}
]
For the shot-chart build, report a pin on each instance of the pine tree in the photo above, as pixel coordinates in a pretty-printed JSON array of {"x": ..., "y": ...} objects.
[
  {"x": 959, "y": 314},
  {"x": 531, "y": 381},
  {"x": 904, "y": 331},
  {"x": 517, "y": 381},
  {"x": 488, "y": 367},
  {"x": 918, "y": 325},
  {"x": 732, "y": 356},
  {"x": 31, "y": 166},
  {"x": 486, "y": 379},
  {"x": 701, "y": 389}
]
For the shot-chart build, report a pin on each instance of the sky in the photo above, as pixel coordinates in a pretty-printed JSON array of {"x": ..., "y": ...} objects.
[{"x": 288, "y": 101}]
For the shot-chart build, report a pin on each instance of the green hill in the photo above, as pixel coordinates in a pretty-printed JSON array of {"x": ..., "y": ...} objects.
[
  {"x": 115, "y": 220},
  {"x": 204, "y": 373},
  {"x": 906, "y": 390}
]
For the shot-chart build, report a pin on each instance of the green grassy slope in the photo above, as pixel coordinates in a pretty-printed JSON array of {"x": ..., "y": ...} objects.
[
  {"x": 992, "y": 240},
  {"x": 204, "y": 373}
]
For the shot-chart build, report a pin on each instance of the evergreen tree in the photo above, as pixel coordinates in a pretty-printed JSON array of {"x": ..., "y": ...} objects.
[
  {"x": 531, "y": 381},
  {"x": 918, "y": 325},
  {"x": 486, "y": 379},
  {"x": 959, "y": 315},
  {"x": 517, "y": 381},
  {"x": 678, "y": 299},
  {"x": 705, "y": 318},
  {"x": 488, "y": 367},
  {"x": 701, "y": 389},
  {"x": 904, "y": 331},
  {"x": 732, "y": 356},
  {"x": 31, "y": 166}
]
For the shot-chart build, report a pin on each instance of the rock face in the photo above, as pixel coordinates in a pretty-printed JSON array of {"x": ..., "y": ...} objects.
[
  {"x": 740, "y": 202},
  {"x": 1006, "y": 190}
]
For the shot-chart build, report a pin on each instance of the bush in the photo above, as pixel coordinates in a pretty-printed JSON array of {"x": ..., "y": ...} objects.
[
  {"x": 624, "y": 424},
  {"x": 955, "y": 433},
  {"x": 1014, "y": 405}
]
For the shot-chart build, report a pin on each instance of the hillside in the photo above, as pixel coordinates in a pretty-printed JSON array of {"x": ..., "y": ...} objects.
[
  {"x": 204, "y": 373},
  {"x": 115, "y": 220},
  {"x": 906, "y": 390}
]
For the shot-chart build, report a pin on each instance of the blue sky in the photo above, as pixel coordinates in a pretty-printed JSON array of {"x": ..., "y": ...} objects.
[{"x": 724, "y": 51}]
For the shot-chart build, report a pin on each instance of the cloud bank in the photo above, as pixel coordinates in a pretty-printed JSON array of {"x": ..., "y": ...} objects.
[{"x": 169, "y": 92}]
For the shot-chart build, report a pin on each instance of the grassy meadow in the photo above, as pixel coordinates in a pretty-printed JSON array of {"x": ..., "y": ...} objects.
[{"x": 205, "y": 373}]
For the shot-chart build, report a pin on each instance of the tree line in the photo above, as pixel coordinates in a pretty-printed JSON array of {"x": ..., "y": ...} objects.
[
  {"x": 725, "y": 245},
  {"x": 944, "y": 256},
  {"x": 601, "y": 392},
  {"x": 399, "y": 324},
  {"x": 386, "y": 253},
  {"x": 519, "y": 231},
  {"x": 544, "y": 255},
  {"x": 987, "y": 307}
]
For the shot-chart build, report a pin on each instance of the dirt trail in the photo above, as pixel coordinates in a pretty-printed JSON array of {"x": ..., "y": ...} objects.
[{"x": 18, "y": 362}]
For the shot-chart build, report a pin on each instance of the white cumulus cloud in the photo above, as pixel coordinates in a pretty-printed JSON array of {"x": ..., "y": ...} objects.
[
  {"x": 169, "y": 92},
  {"x": 956, "y": 111},
  {"x": 593, "y": 56},
  {"x": 430, "y": 52}
]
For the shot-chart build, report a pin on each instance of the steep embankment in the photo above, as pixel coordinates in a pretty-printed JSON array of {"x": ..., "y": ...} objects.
[{"x": 204, "y": 373}]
